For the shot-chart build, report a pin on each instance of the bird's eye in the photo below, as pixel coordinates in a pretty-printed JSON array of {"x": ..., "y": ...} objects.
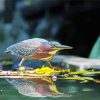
[{"x": 54, "y": 45}]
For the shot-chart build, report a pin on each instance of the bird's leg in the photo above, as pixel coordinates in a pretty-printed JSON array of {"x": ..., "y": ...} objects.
[
  {"x": 21, "y": 68},
  {"x": 20, "y": 64},
  {"x": 49, "y": 63}
]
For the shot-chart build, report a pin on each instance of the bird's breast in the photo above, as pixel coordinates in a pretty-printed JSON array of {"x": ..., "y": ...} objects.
[{"x": 41, "y": 55}]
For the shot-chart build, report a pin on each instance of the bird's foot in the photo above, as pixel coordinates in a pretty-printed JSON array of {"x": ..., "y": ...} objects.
[
  {"x": 21, "y": 69},
  {"x": 19, "y": 66}
]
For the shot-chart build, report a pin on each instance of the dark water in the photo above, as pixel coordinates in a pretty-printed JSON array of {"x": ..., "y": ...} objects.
[{"x": 78, "y": 91}]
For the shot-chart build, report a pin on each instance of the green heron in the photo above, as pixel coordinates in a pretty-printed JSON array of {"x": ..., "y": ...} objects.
[{"x": 36, "y": 49}]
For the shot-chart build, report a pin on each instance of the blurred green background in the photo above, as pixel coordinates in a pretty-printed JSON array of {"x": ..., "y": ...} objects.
[{"x": 74, "y": 23}]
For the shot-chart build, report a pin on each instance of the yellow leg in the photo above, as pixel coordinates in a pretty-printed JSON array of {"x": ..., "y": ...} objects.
[
  {"x": 20, "y": 64},
  {"x": 49, "y": 63}
]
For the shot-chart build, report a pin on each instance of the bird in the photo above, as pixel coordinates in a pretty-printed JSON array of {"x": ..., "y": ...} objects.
[{"x": 36, "y": 49}]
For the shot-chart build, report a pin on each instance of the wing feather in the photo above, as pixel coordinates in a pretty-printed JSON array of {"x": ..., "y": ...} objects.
[{"x": 27, "y": 47}]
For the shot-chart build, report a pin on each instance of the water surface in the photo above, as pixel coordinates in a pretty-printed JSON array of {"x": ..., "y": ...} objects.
[{"x": 78, "y": 91}]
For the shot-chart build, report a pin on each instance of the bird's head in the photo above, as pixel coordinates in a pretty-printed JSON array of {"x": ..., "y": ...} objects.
[{"x": 57, "y": 46}]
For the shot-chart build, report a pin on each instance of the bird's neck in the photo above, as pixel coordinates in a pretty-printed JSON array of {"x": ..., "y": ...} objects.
[{"x": 54, "y": 52}]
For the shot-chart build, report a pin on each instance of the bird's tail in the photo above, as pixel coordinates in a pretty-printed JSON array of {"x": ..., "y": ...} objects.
[{"x": 6, "y": 51}]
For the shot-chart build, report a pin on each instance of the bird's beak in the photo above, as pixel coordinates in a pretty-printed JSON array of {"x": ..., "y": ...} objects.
[{"x": 61, "y": 47}]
